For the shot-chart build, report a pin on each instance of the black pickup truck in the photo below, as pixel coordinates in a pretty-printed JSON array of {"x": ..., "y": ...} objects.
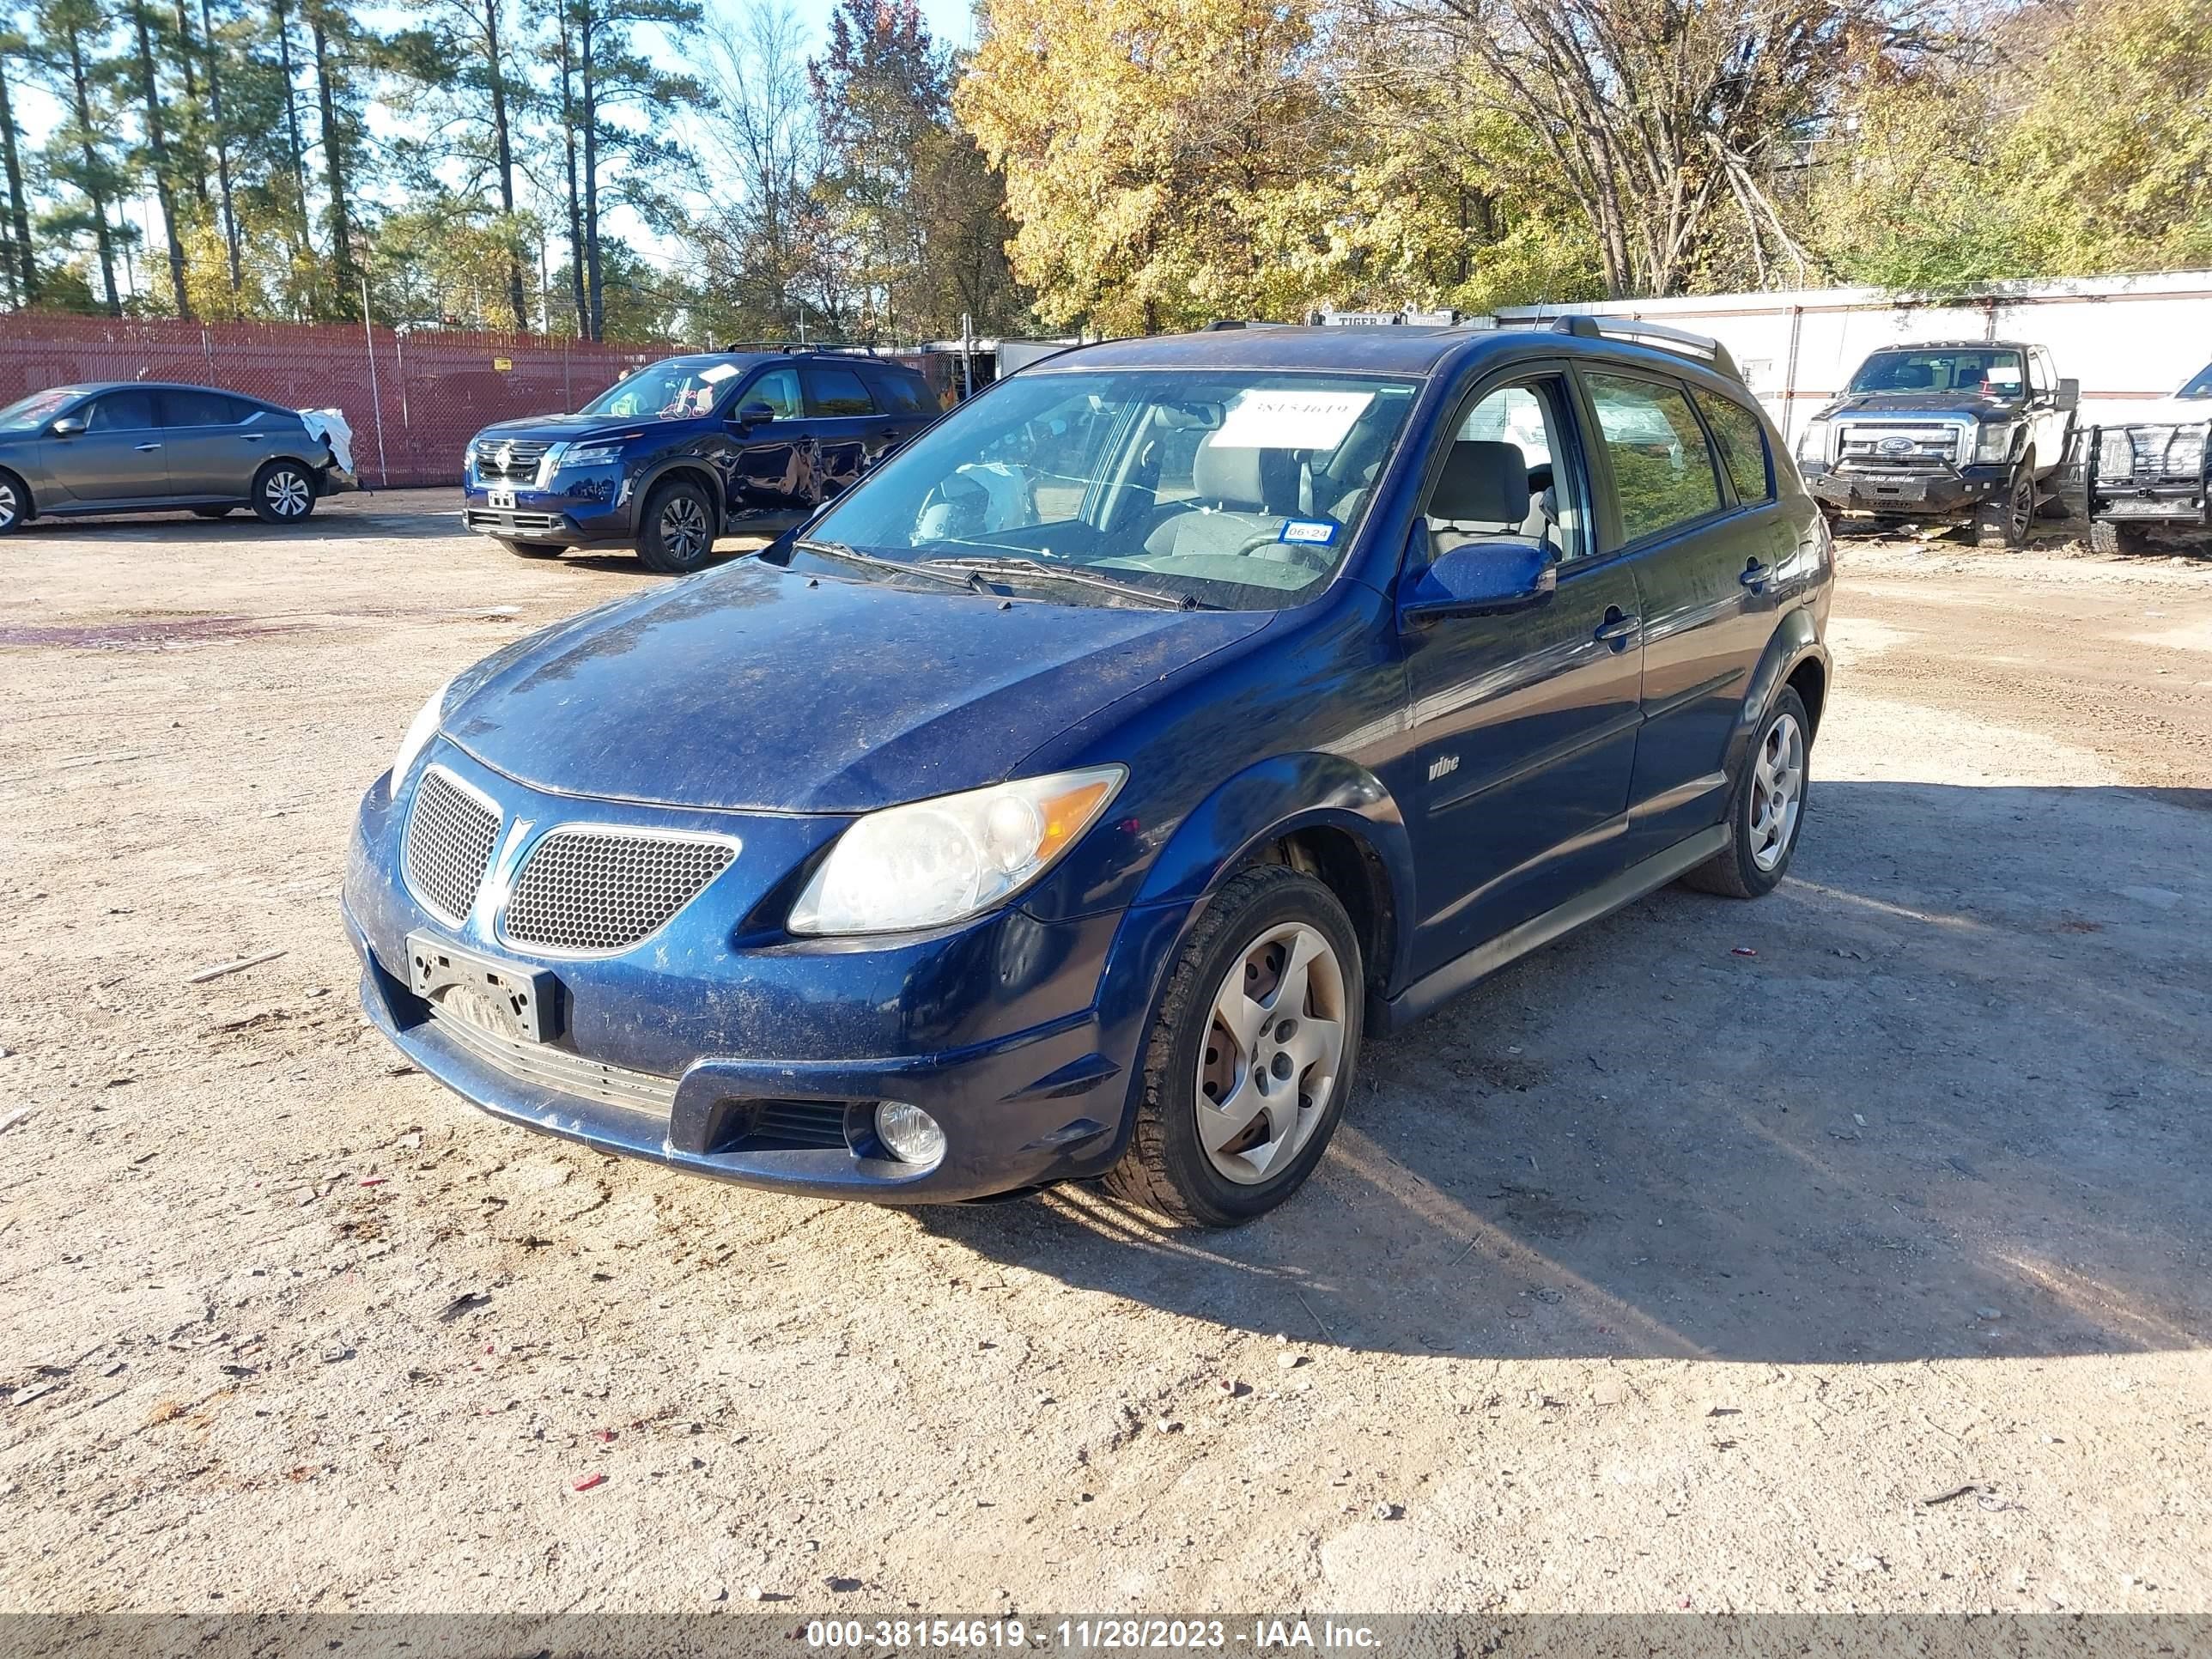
[
  {"x": 2152, "y": 470},
  {"x": 1950, "y": 431}
]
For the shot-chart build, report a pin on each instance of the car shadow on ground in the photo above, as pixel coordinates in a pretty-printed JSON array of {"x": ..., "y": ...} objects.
[
  {"x": 413, "y": 516},
  {"x": 1941, "y": 1095}
]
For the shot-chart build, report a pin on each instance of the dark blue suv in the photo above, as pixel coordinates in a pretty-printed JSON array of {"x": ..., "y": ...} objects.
[
  {"x": 678, "y": 454},
  {"x": 1074, "y": 796}
]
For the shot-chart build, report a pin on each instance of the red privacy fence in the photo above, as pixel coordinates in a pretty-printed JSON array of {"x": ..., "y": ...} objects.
[{"x": 413, "y": 399}]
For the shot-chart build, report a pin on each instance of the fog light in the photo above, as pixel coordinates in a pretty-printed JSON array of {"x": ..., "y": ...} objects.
[{"x": 909, "y": 1133}]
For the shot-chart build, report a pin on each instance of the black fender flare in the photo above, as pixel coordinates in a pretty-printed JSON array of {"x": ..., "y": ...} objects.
[
  {"x": 1795, "y": 640},
  {"x": 652, "y": 476}
]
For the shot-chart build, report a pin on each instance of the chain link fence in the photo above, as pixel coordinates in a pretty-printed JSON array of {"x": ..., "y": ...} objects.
[{"x": 413, "y": 399}]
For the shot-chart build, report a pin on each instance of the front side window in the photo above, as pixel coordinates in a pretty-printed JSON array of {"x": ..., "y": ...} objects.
[
  {"x": 778, "y": 390},
  {"x": 2201, "y": 386},
  {"x": 1507, "y": 477},
  {"x": 838, "y": 392},
  {"x": 122, "y": 412},
  {"x": 681, "y": 389},
  {"x": 1992, "y": 372},
  {"x": 1742, "y": 439},
  {"x": 1237, "y": 488},
  {"x": 1662, "y": 470}
]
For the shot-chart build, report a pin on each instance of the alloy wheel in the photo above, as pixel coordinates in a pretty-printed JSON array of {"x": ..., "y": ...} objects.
[
  {"x": 12, "y": 506},
  {"x": 683, "y": 529},
  {"x": 1777, "y": 791},
  {"x": 2019, "y": 509},
  {"x": 288, "y": 494},
  {"x": 1274, "y": 1045}
]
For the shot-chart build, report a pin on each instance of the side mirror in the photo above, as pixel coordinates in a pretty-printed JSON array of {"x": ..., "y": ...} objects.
[
  {"x": 2069, "y": 394},
  {"x": 1482, "y": 578},
  {"x": 755, "y": 414},
  {"x": 67, "y": 426}
]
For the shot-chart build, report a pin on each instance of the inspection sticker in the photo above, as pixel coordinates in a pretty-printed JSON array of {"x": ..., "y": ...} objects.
[
  {"x": 1317, "y": 531},
  {"x": 1290, "y": 420}
]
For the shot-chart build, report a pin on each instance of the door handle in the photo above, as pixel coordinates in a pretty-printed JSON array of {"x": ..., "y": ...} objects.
[
  {"x": 144, "y": 448},
  {"x": 1617, "y": 629},
  {"x": 1756, "y": 575},
  {"x": 253, "y": 437}
]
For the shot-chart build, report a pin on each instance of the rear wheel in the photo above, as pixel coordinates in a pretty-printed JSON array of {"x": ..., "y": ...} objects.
[
  {"x": 532, "y": 549},
  {"x": 677, "y": 533},
  {"x": 2106, "y": 537},
  {"x": 283, "y": 493},
  {"x": 15, "y": 503},
  {"x": 2003, "y": 520},
  {"x": 1252, "y": 1055},
  {"x": 1767, "y": 810}
]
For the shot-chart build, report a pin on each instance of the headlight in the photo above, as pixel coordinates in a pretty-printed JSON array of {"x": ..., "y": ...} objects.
[
  {"x": 588, "y": 455},
  {"x": 937, "y": 861},
  {"x": 420, "y": 731},
  {"x": 1994, "y": 442},
  {"x": 1812, "y": 442}
]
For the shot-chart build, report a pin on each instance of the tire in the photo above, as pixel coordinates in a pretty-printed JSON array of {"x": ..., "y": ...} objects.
[
  {"x": 2106, "y": 537},
  {"x": 1759, "y": 849},
  {"x": 283, "y": 493},
  {"x": 532, "y": 549},
  {"x": 1262, "y": 921},
  {"x": 15, "y": 503},
  {"x": 2004, "y": 522},
  {"x": 213, "y": 512},
  {"x": 676, "y": 533}
]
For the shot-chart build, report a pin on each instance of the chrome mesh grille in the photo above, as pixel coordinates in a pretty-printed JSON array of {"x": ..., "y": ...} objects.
[
  {"x": 598, "y": 889},
  {"x": 449, "y": 841}
]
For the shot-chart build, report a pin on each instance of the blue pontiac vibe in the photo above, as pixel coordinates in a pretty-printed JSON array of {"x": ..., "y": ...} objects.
[{"x": 1071, "y": 795}]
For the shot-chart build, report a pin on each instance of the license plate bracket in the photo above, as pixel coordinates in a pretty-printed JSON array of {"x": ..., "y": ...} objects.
[
  {"x": 505, "y": 997},
  {"x": 500, "y": 501}
]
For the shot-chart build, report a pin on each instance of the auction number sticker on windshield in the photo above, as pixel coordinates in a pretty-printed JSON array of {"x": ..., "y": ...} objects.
[{"x": 1290, "y": 420}]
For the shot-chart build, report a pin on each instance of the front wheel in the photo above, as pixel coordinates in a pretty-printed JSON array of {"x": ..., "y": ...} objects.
[
  {"x": 15, "y": 504},
  {"x": 2106, "y": 537},
  {"x": 677, "y": 534},
  {"x": 2003, "y": 520},
  {"x": 1767, "y": 809},
  {"x": 1252, "y": 1055},
  {"x": 283, "y": 493}
]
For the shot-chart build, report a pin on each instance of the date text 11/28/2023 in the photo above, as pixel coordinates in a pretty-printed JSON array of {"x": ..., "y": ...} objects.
[{"x": 1093, "y": 1635}]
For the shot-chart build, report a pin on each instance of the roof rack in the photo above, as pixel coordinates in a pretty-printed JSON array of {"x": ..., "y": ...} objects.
[
  {"x": 1679, "y": 341},
  {"x": 795, "y": 348}
]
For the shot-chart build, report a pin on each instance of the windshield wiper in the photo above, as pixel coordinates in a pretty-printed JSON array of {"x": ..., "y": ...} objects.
[
  {"x": 1038, "y": 570},
  {"x": 839, "y": 550}
]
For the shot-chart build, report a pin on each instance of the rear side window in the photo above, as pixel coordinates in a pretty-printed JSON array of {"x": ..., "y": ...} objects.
[
  {"x": 838, "y": 392},
  {"x": 122, "y": 412},
  {"x": 199, "y": 409},
  {"x": 1663, "y": 470},
  {"x": 905, "y": 392},
  {"x": 1742, "y": 439}
]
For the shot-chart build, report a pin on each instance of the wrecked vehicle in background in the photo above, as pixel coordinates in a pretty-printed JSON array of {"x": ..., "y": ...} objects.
[
  {"x": 1948, "y": 432},
  {"x": 2150, "y": 471}
]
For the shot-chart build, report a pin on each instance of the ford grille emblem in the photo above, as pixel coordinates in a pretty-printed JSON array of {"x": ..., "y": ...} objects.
[{"x": 1895, "y": 446}]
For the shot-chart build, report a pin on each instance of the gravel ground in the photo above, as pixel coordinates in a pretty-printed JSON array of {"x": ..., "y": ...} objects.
[{"x": 1866, "y": 1271}]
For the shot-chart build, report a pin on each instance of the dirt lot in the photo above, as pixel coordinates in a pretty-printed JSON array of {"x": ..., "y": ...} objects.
[{"x": 1866, "y": 1271}]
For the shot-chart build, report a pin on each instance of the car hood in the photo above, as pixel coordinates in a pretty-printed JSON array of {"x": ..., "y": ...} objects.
[
  {"x": 569, "y": 429},
  {"x": 753, "y": 687},
  {"x": 1877, "y": 403},
  {"x": 2161, "y": 411}
]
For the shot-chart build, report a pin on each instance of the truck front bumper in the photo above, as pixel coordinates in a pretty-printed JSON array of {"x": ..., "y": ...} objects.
[
  {"x": 1921, "y": 493},
  {"x": 594, "y": 512}
]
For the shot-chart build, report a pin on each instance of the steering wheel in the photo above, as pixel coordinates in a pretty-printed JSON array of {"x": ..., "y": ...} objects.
[{"x": 1312, "y": 555}]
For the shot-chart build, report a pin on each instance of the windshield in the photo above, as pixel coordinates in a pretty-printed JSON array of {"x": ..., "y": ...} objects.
[
  {"x": 678, "y": 390},
  {"x": 35, "y": 410},
  {"x": 2199, "y": 387},
  {"x": 1990, "y": 373},
  {"x": 1241, "y": 488}
]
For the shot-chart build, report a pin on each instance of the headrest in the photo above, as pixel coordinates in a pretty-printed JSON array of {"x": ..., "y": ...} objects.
[
  {"x": 1484, "y": 482},
  {"x": 1253, "y": 480}
]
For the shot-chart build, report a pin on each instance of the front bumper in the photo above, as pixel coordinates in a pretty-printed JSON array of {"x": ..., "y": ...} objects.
[
  {"x": 1922, "y": 493},
  {"x": 726, "y": 1049},
  {"x": 596, "y": 510}
]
